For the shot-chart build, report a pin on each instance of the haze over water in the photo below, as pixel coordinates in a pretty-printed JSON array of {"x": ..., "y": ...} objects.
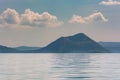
[{"x": 60, "y": 66}]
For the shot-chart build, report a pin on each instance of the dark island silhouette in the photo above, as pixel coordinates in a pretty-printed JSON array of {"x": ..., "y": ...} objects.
[
  {"x": 23, "y": 48},
  {"x": 79, "y": 43},
  {"x": 4, "y": 49}
]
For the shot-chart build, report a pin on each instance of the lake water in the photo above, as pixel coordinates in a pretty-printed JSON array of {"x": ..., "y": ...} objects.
[{"x": 60, "y": 66}]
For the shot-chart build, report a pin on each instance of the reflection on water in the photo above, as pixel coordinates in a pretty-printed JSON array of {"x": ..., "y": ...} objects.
[{"x": 60, "y": 66}]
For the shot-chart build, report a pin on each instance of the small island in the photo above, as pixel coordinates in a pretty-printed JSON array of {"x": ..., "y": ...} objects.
[{"x": 78, "y": 43}]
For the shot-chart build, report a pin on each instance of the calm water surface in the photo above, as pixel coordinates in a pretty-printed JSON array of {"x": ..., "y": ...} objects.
[{"x": 60, "y": 66}]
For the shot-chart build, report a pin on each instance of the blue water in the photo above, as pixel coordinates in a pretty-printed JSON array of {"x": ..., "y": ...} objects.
[{"x": 60, "y": 66}]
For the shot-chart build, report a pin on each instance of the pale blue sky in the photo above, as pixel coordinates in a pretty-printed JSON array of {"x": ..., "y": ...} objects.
[{"x": 63, "y": 10}]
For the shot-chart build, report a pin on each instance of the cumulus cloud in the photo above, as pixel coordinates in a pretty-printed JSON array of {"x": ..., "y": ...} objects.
[
  {"x": 110, "y": 2},
  {"x": 10, "y": 16},
  {"x": 29, "y": 18},
  {"x": 35, "y": 19},
  {"x": 95, "y": 17}
]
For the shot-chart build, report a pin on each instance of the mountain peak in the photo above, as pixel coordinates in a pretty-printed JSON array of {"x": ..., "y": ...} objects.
[
  {"x": 77, "y": 43},
  {"x": 79, "y": 37},
  {"x": 76, "y": 35},
  {"x": 80, "y": 34}
]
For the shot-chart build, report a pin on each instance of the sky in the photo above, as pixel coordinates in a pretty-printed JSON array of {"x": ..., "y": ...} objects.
[{"x": 40, "y": 22}]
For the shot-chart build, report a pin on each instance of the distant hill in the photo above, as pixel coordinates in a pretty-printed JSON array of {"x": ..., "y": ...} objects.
[
  {"x": 114, "y": 47},
  {"x": 79, "y": 43},
  {"x": 22, "y": 48},
  {"x": 4, "y": 49}
]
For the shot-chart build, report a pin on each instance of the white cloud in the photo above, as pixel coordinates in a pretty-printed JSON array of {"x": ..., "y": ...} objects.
[
  {"x": 29, "y": 18},
  {"x": 35, "y": 19},
  {"x": 9, "y": 16},
  {"x": 95, "y": 17},
  {"x": 110, "y": 2}
]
